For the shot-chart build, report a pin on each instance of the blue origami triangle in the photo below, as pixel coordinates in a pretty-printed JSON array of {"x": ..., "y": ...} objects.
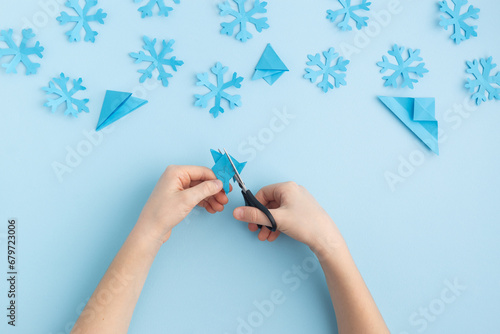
[
  {"x": 117, "y": 105},
  {"x": 418, "y": 114},
  {"x": 270, "y": 60},
  {"x": 270, "y": 67}
]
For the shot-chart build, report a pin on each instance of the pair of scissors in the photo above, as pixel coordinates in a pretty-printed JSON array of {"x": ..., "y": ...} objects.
[{"x": 250, "y": 199}]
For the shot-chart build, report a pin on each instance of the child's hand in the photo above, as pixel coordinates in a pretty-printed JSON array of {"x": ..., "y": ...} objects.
[
  {"x": 297, "y": 214},
  {"x": 178, "y": 191}
]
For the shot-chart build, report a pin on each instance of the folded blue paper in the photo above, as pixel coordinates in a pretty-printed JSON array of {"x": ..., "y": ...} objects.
[
  {"x": 115, "y": 106},
  {"x": 223, "y": 169},
  {"x": 418, "y": 114},
  {"x": 270, "y": 67}
]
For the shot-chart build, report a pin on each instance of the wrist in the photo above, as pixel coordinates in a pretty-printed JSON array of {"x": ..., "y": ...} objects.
[
  {"x": 329, "y": 241},
  {"x": 328, "y": 247},
  {"x": 156, "y": 225},
  {"x": 147, "y": 233}
]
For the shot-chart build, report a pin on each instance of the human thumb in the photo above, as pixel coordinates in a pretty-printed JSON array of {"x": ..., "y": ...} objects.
[
  {"x": 203, "y": 190},
  {"x": 253, "y": 215}
]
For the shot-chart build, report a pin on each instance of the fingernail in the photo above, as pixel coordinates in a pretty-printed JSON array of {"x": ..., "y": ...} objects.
[
  {"x": 238, "y": 213},
  {"x": 218, "y": 183}
]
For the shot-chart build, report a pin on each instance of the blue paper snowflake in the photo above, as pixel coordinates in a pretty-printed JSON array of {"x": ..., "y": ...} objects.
[
  {"x": 21, "y": 53},
  {"x": 158, "y": 61},
  {"x": 82, "y": 20},
  {"x": 147, "y": 10},
  {"x": 348, "y": 12},
  {"x": 242, "y": 17},
  {"x": 483, "y": 82},
  {"x": 402, "y": 68},
  {"x": 457, "y": 20},
  {"x": 327, "y": 70},
  {"x": 218, "y": 91},
  {"x": 65, "y": 96}
]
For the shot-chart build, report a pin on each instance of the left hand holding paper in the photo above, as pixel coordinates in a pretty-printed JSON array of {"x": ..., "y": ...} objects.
[{"x": 178, "y": 191}]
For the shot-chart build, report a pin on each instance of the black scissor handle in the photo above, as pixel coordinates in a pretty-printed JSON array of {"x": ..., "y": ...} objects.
[{"x": 250, "y": 200}]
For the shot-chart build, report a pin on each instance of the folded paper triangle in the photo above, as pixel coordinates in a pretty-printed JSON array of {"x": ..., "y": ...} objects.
[
  {"x": 418, "y": 114},
  {"x": 115, "y": 106},
  {"x": 270, "y": 67}
]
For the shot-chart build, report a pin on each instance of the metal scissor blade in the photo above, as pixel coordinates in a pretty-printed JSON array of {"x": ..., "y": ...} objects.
[{"x": 236, "y": 174}]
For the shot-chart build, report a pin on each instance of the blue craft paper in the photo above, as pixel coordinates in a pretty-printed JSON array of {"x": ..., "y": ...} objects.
[
  {"x": 223, "y": 169},
  {"x": 217, "y": 91},
  {"x": 424, "y": 109},
  {"x": 20, "y": 53},
  {"x": 156, "y": 59},
  {"x": 117, "y": 105},
  {"x": 402, "y": 67},
  {"x": 484, "y": 82},
  {"x": 59, "y": 87},
  {"x": 270, "y": 67},
  {"x": 457, "y": 20},
  {"x": 418, "y": 114},
  {"x": 243, "y": 18},
  {"x": 327, "y": 70},
  {"x": 81, "y": 20}
]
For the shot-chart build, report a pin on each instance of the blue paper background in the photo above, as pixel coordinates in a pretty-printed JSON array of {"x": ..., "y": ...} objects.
[{"x": 440, "y": 224}]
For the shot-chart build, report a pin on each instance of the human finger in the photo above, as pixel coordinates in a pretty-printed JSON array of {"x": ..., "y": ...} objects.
[
  {"x": 270, "y": 193},
  {"x": 253, "y": 227},
  {"x": 214, "y": 204},
  {"x": 273, "y": 236},
  {"x": 221, "y": 198},
  {"x": 253, "y": 215},
  {"x": 202, "y": 191},
  {"x": 264, "y": 234},
  {"x": 188, "y": 174}
]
